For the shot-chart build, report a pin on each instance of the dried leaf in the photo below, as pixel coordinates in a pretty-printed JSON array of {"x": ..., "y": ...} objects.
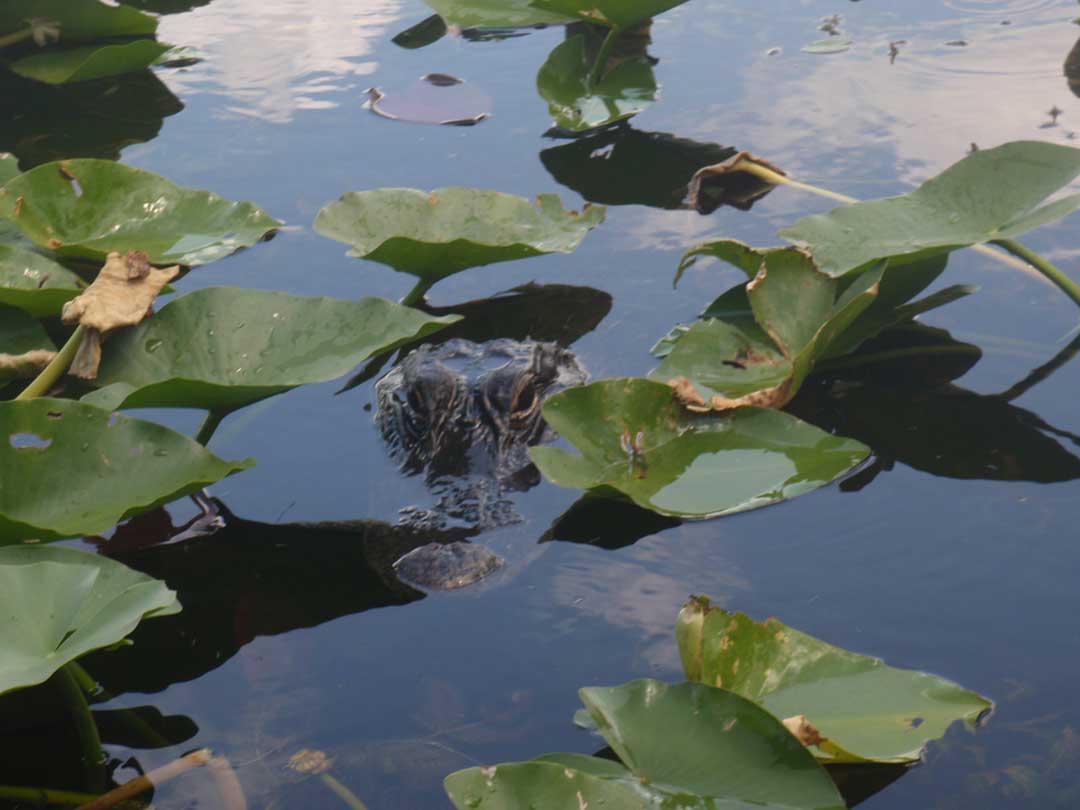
[
  {"x": 26, "y": 365},
  {"x": 730, "y": 183},
  {"x": 803, "y": 730}
]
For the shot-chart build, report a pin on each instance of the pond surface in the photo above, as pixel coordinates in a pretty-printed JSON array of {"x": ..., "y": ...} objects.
[{"x": 956, "y": 552}]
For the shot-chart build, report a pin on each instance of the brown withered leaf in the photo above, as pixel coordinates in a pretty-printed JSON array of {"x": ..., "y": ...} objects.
[
  {"x": 776, "y": 397},
  {"x": 803, "y": 730},
  {"x": 24, "y": 366},
  {"x": 729, "y": 183},
  {"x": 122, "y": 295}
]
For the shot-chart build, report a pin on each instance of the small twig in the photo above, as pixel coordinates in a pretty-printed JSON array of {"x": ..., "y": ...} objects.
[{"x": 158, "y": 776}]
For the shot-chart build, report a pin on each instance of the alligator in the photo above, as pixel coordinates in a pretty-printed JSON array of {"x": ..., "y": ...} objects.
[{"x": 464, "y": 414}]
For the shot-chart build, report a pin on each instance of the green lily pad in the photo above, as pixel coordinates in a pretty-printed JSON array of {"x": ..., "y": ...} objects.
[
  {"x": 612, "y": 13},
  {"x": 494, "y": 13},
  {"x": 830, "y": 45},
  {"x": 622, "y": 92},
  {"x": 9, "y": 167},
  {"x": 88, "y": 62},
  {"x": 685, "y": 747},
  {"x": 79, "y": 20},
  {"x": 222, "y": 348},
  {"x": 34, "y": 283},
  {"x": 60, "y": 603},
  {"x": 19, "y": 333},
  {"x": 990, "y": 194},
  {"x": 686, "y": 465},
  {"x": 434, "y": 235},
  {"x": 88, "y": 207},
  {"x": 71, "y": 469},
  {"x": 869, "y": 712},
  {"x": 798, "y": 312}
]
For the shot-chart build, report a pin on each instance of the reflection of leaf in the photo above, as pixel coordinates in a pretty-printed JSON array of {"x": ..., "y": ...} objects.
[
  {"x": 79, "y": 20},
  {"x": 613, "y": 13},
  {"x": 867, "y": 711},
  {"x": 798, "y": 312},
  {"x": 683, "y": 747},
  {"x": 563, "y": 81},
  {"x": 628, "y": 167},
  {"x": 683, "y": 464},
  {"x": 221, "y": 348},
  {"x": 89, "y": 62},
  {"x": 106, "y": 466},
  {"x": 88, "y": 208},
  {"x": 990, "y": 194},
  {"x": 494, "y": 13},
  {"x": 434, "y": 235},
  {"x": 34, "y": 283},
  {"x": 60, "y": 603}
]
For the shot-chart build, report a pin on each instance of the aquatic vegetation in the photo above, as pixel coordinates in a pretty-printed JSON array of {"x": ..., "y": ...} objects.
[{"x": 738, "y": 736}]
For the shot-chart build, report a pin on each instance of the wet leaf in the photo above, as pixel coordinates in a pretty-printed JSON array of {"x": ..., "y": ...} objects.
[
  {"x": 221, "y": 348},
  {"x": 78, "y": 20},
  {"x": 69, "y": 469},
  {"x": 991, "y": 194},
  {"x": 89, "y": 208},
  {"x": 434, "y": 235},
  {"x": 612, "y": 13},
  {"x": 60, "y": 603},
  {"x": 684, "y": 747},
  {"x": 34, "y": 283},
  {"x": 89, "y": 62},
  {"x": 798, "y": 312},
  {"x": 635, "y": 439},
  {"x": 494, "y": 13},
  {"x": 622, "y": 92},
  {"x": 25, "y": 347},
  {"x": 867, "y": 711}
]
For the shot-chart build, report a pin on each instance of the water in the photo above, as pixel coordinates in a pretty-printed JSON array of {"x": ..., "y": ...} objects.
[{"x": 955, "y": 554}]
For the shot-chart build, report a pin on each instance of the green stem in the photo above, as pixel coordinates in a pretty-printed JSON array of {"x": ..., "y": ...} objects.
[
  {"x": 209, "y": 427},
  {"x": 139, "y": 727},
  {"x": 1056, "y": 276},
  {"x": 417, "y": 293},
  {"x": 93, "y": 756},
  {"x": 597, "y": 71},
  {"x": 32, "y": 795},
  {"x": 16, "y": 37},
  {"x": 346, "y": 795},
  {"x": 52, "y": 373}
]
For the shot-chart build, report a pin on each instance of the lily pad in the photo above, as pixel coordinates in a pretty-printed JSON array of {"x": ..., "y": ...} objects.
[
  {"x": 71, "y": 469},
  {"x": 79, "y": 20},
  {"x": 434, "y": 235},
  {"x": 798, "y": 312},
  {"x": 222, "y": 348},
  {"x": 867, "y": 711},
  {"x": 87, "y": 208},
  {"x": 622, "y": 92},
  {"x": 684, "y": 746},
  {"x": 636, "y": 440},
  {"x": 494, "y": 13},
  {"x": 25, "y": 347},
  {"x": 34, "y": 283},
  {"x": 612, "y": 13},
  {"x": 991, "y": 194},
  {"x": 60, "y": 603},
  {"x": 89, "y": 62}
]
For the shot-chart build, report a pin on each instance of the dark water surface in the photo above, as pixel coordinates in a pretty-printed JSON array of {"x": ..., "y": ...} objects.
[{"x": 956, "y": 553}]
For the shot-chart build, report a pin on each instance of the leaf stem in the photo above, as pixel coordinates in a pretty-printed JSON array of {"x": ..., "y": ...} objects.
[
  {"x": 33, "y": 795},
  {"x": 351, "y": 799},
  {"x": 777, "y": 179},
  {"x": 417, "y": 293},
  {"x": 1054, "y": 274},
  {"x": 129, "y": 718},
  {"x": 93, "y": 756},
  {"x": 597, "y": 71},
  {"x": 140, "y": 784},
  {"x": 52, "y": 373},
  {"x": 209, "y": 427}
]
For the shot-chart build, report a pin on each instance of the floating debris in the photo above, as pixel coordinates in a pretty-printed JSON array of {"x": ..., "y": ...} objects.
[{"x": 436, "y": 98}]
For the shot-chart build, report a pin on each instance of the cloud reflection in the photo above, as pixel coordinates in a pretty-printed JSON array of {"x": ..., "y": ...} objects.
[{"x": 272, "y": 60}]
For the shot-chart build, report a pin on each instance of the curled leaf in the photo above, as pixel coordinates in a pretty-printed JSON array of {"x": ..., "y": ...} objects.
[
  {"x": 25, "y": 365},
  {"x": 738, "y": 182},
  {"x": 122, "y": 295}
]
